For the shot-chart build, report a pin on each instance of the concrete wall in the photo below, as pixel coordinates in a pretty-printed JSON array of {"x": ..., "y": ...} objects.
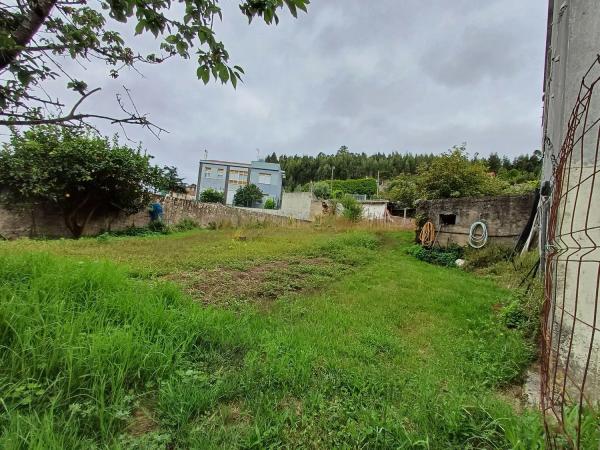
[
  {"x": 374, "y": 210},
  {"x": 572, "y": 264},
  {"x": 505, "y": 216},
  {"x": 297, "y": 205},
  {"x": 38, "y": 222}
]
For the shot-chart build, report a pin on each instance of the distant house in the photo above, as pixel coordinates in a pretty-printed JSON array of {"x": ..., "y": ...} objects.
[{"x": 228, "y": 177}]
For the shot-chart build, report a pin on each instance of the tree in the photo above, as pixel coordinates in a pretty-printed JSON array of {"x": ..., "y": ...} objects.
[
  {"x": 453, "y": 175},
  {"x": 36, "y": 36},
  {"x": 212, "y": 196},
  {"x": 248, "y": 195},
  {"x": 171, "y": 181},
  {"x": 403, "y": 190},
  {"x": 81, "y": 175},
  {"x": 494, "y": 162}
]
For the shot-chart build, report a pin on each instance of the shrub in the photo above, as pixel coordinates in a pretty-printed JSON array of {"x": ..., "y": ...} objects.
[
  {"x": 247, "y": 195},
  {"x": 269, "y": 203},
  {"x": 186, "y": 225},
  {"x": 352, "y": 208},
  {"x": 322, "y": 190},
  {"x": 132, "y": 231},
  {"x": 440, "y": 256},
  {"x": 485, "y": 257},
  {"x": 158, "y": 226},
  {"x": 212, "y": 196}
]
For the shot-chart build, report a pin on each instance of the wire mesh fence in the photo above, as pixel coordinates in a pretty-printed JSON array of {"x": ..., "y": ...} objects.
[{"x": 570, "y": 366}]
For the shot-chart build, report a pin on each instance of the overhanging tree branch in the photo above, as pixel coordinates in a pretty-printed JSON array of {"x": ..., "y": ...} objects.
[{"x": 36, "y": 36}]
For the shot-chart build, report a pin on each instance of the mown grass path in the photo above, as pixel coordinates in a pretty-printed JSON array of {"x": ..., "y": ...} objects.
[{"x": 373, "y": 349}]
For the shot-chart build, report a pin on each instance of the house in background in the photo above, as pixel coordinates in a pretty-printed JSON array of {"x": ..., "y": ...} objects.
[{"x": 228, "y": 177}]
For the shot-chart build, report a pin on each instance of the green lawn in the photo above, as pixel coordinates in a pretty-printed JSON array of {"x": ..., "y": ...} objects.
[{"x": 256, "y": 338}]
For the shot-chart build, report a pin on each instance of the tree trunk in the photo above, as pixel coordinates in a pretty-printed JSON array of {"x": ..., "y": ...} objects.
[
  {"x": 29, "y": 26},
  {"x": 71, "y": 217}
]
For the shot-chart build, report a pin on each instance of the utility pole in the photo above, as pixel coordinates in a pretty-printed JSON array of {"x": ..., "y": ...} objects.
[
  {"x": 332, "y": 169},
  {"x": 378, "y": 183}
]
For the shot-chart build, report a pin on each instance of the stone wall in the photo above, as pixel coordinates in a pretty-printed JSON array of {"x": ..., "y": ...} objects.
[
  {"x": 42, "y": 222},
  {"x": 505, "y": 216}
]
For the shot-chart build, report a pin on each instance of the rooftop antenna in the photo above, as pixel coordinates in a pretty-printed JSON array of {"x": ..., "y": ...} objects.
[
  {"x": 205, "y": 154},
  {"x": 258, "y": 154}
]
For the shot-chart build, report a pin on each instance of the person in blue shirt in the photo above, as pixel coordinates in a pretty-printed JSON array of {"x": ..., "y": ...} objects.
[{"x": 156, "y": 212}]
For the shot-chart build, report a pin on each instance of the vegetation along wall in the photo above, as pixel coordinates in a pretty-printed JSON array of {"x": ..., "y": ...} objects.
[{"x": 40, "y": 222}]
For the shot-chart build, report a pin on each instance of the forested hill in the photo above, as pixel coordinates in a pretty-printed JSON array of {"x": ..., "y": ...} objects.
[{"x": 346, "y": 164}]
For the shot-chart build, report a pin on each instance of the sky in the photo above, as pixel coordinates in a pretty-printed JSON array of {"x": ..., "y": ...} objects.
[{"x": 377, "y": 76}]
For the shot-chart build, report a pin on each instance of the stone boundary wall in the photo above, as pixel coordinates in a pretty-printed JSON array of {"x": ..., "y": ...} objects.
[{"x": 43, "y": 222}]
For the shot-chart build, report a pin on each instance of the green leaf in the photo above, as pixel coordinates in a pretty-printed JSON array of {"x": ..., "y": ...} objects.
[{"x": 203, "y": 74}]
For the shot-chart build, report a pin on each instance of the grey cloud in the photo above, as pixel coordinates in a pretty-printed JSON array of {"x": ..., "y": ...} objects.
[{"x": 382, "y": 75}]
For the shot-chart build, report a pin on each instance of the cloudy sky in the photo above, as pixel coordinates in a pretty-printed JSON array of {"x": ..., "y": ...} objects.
[{"x": 377, "y": 75}]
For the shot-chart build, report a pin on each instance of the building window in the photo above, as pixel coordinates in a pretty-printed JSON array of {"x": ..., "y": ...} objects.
[
  {"x": 264, "y": 178},
  {"x": 238, "y": 177},
  {"x": 220, "y": 173},
  {"x": 447, "y": 219},
  {"x": 208, "y": 172}
]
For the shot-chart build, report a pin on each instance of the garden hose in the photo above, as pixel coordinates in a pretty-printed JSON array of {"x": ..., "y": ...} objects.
[
  {"x": 478, "y": 240},
  {"x": 427, "y": 235}
]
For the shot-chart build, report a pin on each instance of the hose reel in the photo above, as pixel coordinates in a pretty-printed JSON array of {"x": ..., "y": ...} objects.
[
  {"x": 478, "y": 239},
  {"x": 427, "y": 235}
]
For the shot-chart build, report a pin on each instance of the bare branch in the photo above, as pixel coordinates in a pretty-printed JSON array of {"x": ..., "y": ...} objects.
[{"x": 83, "y": 97}]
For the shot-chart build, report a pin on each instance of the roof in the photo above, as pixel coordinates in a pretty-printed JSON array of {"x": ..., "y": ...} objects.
[
  {"x": 254, "y": 164},
  {"x": 375, "y": 201},
  {"x": 223, "y": 163}
]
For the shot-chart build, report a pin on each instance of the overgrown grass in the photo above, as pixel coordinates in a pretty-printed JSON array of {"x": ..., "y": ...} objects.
[{"x": 396, "y": 353}]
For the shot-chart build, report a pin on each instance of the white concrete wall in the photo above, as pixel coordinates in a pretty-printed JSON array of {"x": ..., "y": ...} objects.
[
  {"x": 298, "y": 205},
  {"x": 573, "y": 47},
  {"x": 374, "y": 211}
]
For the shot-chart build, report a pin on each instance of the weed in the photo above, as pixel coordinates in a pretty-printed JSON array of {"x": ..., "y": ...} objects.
[
  {"x": 186, "y": 224},
  {"x": 436, "y": 255}
]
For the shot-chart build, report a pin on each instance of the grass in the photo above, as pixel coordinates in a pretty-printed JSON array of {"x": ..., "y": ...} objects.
[{"x": 369, "y": 348}]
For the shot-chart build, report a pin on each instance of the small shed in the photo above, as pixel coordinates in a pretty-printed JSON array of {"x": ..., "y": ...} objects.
[
  {"x": 505, "y": 216},
  {"x": 375, "y": 209}
]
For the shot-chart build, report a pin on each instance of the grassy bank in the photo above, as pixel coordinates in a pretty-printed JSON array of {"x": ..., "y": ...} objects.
[{"x": 363, "y": 346}]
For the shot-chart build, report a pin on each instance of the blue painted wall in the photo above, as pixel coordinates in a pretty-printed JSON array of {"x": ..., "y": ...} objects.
[{"x": 274, "y": 188}]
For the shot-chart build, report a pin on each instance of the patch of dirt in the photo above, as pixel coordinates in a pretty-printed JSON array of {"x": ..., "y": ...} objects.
[
  {"x": 142, "y": 422},
  {"x": 233, "y": 413},
  {"x": 292, "y": 403},
  {"x": 497, "y": 307},
  {"x": 515, "y": 396},
  {"x": 260, "y": 282}
]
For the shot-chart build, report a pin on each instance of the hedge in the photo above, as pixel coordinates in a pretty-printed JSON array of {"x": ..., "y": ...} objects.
[{"x": 365, "y": 186}]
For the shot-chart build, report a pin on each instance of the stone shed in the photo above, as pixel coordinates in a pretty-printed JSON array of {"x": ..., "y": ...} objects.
[{"x": 505, "y": 216}]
